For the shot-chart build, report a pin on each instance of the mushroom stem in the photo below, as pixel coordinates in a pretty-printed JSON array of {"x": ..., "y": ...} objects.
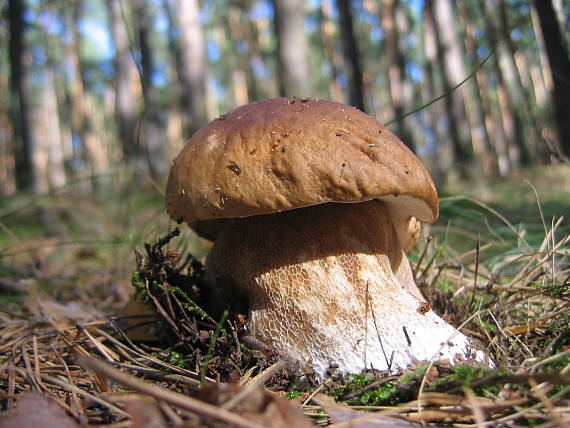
[{"x": 323, "y": 288}]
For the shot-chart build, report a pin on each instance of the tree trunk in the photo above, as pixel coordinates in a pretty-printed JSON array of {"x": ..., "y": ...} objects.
[
  {"x": 508, "y": 156},
  {"x": 438, "y": 153},
  {"x": 480, "y": 94},
  {"x": 51, "y": 129},
  {"x": 521, "y": 95},
  {"x": 193, "y": 70},
  {"x": 127, "y": 86},
  {"x": 470, "y": 122},
  {"x": 7, "y": 179},
  {"x": 335, "y": 62},
  {"x": 150, "y": 128},
  {"x": 559, "y": 68},
  {"x": 56, "y": 135},
  {"x": 352, "y": 69},
  {"x": 397, "y": 80},
  {"x": 91, "y": 151},
  {"x": 176, "y": 131},
  {"x": 21, "y": 107},
  {"x": 460, "y": 138},
  {"x": 292, "y": 49},
  {"x": 245, "y": 83},
  {"x": 241, "y": 69}
]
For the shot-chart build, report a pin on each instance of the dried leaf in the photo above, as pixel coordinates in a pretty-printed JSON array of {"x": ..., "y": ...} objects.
[
  {"x": 145, "y": 413},
  {"x": 344, "y": 416},
  {"x": 36, "y": 410},
  {"x": 260, "y": 406}
]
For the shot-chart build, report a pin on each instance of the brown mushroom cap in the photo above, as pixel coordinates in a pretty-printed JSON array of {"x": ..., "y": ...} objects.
[{"x": 285, "y": 153}]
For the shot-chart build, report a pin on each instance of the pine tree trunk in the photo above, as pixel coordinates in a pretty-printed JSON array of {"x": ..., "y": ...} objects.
[
  {"x": 193, "y": 67},
  {"x": 57, "y": 130},
  {"x": 521, "y": 95},
  {"x": 255, "y": 58},
  {"x": 150, "y": 129},
  {"x": 175, "y": 128},
  {"x": 258, "y": 50},
  {"x": 7, "y": 178},
  {"x": 467, "y": 112},
  {"x": 21, "y": 113},
  {"x": 91, "y": 149},
  {"x": 352, "y": 69},
  {"x": 460, "y": 138},
  {"x": 127, "y": 84},
  {"x": 508, "y": 156},
  {"x": 243, "y": 79},
  {"x": 394, "y": 22},
  {"x": 292, "y": 49},
  {"x": 335, "y": 62},
  {"x": 439, "y": 154},
  {"x": 559, "y": 67},
  {"x": 480, "y": 95},
  {"x": 52, "y": 133}
]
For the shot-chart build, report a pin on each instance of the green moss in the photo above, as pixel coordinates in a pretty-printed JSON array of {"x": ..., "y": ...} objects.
[
  {"x": 444, "y": 284},
  {"x": 289, "y": 395},
  {"x": 175, "y": 358},
  {"x": 357, "y": 381},
  {"x": 385, "y": 395},
  {"x": 414, "y": 375},
  {"x": 138, "y": 282},
  {"x": 390, "y": 393},
  {"x": 486, "y": 325},
  {"x": 187, "y": 302},
  {"x": 339, "y": 388},
  {"x": 557, "y": 365},
  {"x": 465, "y": 375}
]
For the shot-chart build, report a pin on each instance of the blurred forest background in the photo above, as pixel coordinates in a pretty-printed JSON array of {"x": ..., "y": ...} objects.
[{"x": 91, "y": 86}]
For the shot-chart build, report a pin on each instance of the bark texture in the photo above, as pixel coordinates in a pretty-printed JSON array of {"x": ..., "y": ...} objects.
[
  {"x": 559, "y": 62},
  {"x": 20, "y": 92},
  {"x": 352, "y": 68},
  {"x": 292, "y": 49},
  {"x": 127, "y": 85},
  {"x": 150, "y": 126},
  {"x": 193, "y": 65}
]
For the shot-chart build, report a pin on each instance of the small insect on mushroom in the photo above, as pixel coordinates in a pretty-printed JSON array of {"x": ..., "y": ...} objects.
[
  {"x": 424, "y": 308},
  {"x": 234, "y": 167}
]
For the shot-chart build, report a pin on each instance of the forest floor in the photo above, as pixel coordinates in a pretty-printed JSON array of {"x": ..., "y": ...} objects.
[{"x": 76, "y": 350}]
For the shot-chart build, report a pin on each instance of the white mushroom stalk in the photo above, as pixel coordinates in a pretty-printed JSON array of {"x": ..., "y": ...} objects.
[{"x": 323, "y": 289}]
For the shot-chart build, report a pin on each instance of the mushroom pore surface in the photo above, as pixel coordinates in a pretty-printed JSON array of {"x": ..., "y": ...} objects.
[{"x": 325, "y": 286}]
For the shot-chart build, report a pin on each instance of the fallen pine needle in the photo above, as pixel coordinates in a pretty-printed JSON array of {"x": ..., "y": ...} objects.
[{"x": 180, "y": 400}]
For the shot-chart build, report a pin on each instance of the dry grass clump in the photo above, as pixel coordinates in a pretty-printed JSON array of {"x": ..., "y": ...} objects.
[{"x": 67, "y": 358}]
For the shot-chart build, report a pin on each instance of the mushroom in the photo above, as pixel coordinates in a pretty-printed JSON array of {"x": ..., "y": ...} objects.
[{"x": 312, "y": 205}]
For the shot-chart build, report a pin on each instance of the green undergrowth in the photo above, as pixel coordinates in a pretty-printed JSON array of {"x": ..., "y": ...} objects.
[
  {"x": 185, "y": 300},
  {"x": 290, "y": 395},
  {"x": 171, "y": 357},
  {"x": 359, "y": 389}
]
